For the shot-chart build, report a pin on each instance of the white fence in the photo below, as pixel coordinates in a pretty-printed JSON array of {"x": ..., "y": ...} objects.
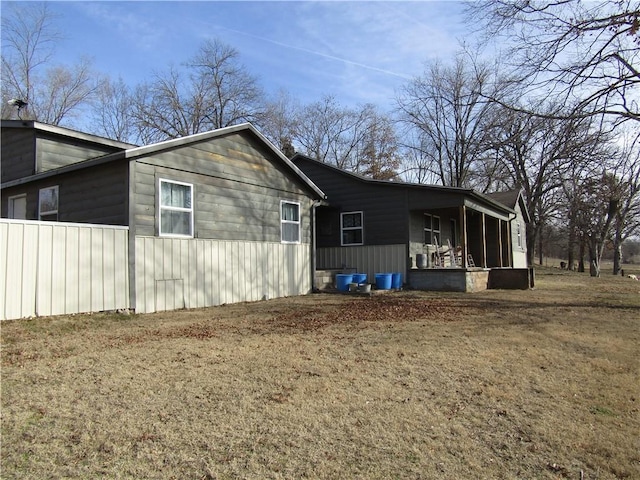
[
  {"x": 366, "y": 259},
  {"x": 194, "y": 273},
  {"x": 62, "y": 268},
  {"x": 51, "y": 268}
]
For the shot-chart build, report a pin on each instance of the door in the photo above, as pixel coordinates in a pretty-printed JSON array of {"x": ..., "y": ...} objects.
[{"x": 18, "y": 207}]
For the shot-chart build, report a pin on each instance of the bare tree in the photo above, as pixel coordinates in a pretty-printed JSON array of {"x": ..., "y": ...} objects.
[
  {"x": 586, "y": 54},
  {"x": 214, "y": 91},
  {"x": 379, "y": 157},
  {"x": 279, "y": 122},
  {"x": 361, "y": 140},
  {"x": 112, "y": 111},
  {"x": 627, "y": 219},
  {"x": 54, "y": 94},
  {"x": 539, "y": 153},
  {"x": 597, "y": 208},
  {"x": 447, "y": 106}
]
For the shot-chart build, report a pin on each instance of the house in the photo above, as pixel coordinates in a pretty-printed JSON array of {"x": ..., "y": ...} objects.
[
  {"x": 440, "y": 238},
  {"x": 212, "y": 218}
]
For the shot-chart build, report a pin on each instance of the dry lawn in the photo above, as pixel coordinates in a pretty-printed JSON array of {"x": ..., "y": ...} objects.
[{"x": 537, "y": 384}]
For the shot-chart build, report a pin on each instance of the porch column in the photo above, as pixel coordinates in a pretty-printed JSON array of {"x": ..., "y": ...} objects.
[
  {"x": 500, "y": 243},
  {"x": 463, "y": 223},
  {"x": 484, "y": 242}
]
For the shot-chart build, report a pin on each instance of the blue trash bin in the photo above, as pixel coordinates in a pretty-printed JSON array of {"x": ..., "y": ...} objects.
[
  {"x": 396, "y": 280},
  {"x": 359, "y": 278},
  {"x": 383, "y": 281},
  {"x": 343, "y": 280}
]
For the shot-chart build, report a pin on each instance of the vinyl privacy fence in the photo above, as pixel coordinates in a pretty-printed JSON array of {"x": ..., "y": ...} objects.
[{"x": 62, "y": 268}]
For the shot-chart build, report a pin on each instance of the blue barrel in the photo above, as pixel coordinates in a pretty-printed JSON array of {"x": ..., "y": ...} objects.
[
  {"x": 359, "y": 278},
  {"x": 383, "y": 281},
  {"x": 343, "y": 280},
  {"x": 396, "y": 280}
]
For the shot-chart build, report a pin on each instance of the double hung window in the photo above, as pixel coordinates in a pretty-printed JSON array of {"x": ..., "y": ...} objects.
[
  {"x": 351, "y": 226},
  {"x": 48, "y": 204},
  {"x": 289, "y": 222},
  {"x": 176, "y": 209}
]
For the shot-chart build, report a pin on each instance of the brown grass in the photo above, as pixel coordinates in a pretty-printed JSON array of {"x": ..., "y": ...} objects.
[{"x": 500, "y": 384}]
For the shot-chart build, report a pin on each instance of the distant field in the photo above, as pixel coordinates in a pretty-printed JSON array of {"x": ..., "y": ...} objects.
[{"x": 540, "y": 384}]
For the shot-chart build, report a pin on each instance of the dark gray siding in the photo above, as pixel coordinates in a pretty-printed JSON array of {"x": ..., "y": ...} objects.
[
  {"x": 92, "y": 195},
  {"x": 384, "y": 207},
  {"x": 17, "y": 156},
  {"x": 238, "y": 186}
]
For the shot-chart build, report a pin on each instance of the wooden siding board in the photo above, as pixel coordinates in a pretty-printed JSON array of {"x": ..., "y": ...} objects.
[
  {"x": 95, "y": 195},
  {"x": 238, "y": 186},
  {"x": 18, "y": 153},
  {"x": 55, "y": 151},
  {"x": 380, "y": 206}
]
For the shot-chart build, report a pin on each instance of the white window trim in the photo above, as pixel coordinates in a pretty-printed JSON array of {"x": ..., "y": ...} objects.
[
  {"x": 431, "y": 230},
  {"x": 49, "y": 212},
  {"x": 10, "y": 205},
  {"x": 519, "y": 234},
  {"x": 283, "y": 221},
  {"x": 343, "y": 228},
  {"x": 174, "y": 209}
]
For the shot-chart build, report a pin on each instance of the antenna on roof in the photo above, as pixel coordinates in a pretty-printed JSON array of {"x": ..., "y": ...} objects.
[{"x": 19, "y": 104}]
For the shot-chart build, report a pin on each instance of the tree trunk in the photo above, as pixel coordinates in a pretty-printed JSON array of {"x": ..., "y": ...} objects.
[
  {"x": 540, "y": 241},
  {"x": 594, "y": 260},
  {"x": 581, "y": 255},
  {"x": 617, "y": 258},
  {"x": 531, "y": 246},
  {"x": 571, "y": 247},
  {"x": 596, "y": 243}
]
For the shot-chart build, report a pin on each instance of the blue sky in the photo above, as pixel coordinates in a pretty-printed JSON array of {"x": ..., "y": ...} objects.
[{"x": 358, "y": 51}]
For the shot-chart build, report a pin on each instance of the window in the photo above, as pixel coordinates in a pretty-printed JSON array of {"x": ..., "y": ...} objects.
[
  {"x": 351, "y": 228},
  {"x": 17, "y": 207},
  {"x": 290, "y": 222},
  {"x": 519, "y": 234},
  {"x": 431, "y": 229},
  {"x": 176, "y": 209},
  {"x": 48, "y": 204}
]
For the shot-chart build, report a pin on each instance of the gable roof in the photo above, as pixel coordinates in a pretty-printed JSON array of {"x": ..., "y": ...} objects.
[
  {"x": 130, "y": 152},
  {"x": 512, "y": 199},
  {"x": 399, "y": 184}
]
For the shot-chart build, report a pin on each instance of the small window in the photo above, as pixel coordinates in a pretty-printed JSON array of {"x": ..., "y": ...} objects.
[
  {"x": 431, "y": 229},
  {"x": 290, "y": 222},
  {"x": 48, "y": 204},
  {"x": 17, "y": 207},
  {"x": 351, "y": 227},
  {"x": 519, "y": 234},
  {"x": 176, "y": 209}
]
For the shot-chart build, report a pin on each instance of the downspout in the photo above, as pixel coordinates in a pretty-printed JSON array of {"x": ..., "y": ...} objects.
[
  {"x": 510, "y": 238},
  {"x": 314, "y": 205}
]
